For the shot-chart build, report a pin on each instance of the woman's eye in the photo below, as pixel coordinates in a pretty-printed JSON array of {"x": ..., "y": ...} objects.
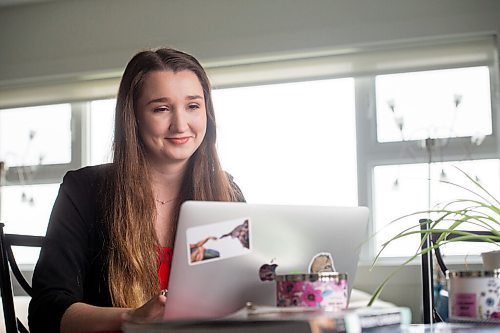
[
  {"x": 161, "y": 109},
  {"x": 193, "y": 107}
]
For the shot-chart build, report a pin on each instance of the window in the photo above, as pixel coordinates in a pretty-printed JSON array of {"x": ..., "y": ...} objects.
[
  {"x": 427, "y": 122},
  {"x": 41, "y": 135},
  {"x": 403, "y": 189},
  {"x": 292, "y": 143},
  {"x": 433, "y": 104},
  {"x": 102, "y": 118},
  {"x": 36, "y": 149}
]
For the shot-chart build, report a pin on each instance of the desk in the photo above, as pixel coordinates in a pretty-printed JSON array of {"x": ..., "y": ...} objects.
[
  {"x": 448, "y": 328},
  {"x": 286, "y": 327}
]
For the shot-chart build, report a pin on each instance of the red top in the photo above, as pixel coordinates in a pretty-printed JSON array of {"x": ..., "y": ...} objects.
[
  {"x": 165, "y": 255},
  {"x": 164, "y": 268}
]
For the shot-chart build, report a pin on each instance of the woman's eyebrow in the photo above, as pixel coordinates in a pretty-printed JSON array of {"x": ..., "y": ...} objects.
[
  {"x": 191, "y": 97},
  {"x": 166, "y": 99},
  {"x": 158, "y": 100}
]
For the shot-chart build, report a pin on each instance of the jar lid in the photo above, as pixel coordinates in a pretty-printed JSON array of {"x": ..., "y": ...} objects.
[
  {"x": 471, "y": 274},
  {"x": 322, "y": 276}
]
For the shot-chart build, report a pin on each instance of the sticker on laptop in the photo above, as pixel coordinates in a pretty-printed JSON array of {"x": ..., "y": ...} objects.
[
  {"x": 267, "y": 272},
  {"x": 219, "y": 240},
  {"x": 321, "y": 262}
]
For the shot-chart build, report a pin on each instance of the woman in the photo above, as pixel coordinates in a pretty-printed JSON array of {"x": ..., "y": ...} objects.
[{"x": 109, "y": 241}]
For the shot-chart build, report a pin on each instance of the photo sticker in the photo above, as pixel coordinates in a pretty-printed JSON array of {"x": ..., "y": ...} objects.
[{"x": 219, "y": 240}]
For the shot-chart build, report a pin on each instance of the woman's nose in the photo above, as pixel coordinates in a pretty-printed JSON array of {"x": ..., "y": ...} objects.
[{"x": 178, "y": 121}]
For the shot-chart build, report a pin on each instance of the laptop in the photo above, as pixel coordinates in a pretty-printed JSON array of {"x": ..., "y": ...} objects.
[{"x": 226, "y": 253}]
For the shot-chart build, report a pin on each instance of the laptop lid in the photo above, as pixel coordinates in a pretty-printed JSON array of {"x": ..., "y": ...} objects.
[{"x": 221, "y": 248}]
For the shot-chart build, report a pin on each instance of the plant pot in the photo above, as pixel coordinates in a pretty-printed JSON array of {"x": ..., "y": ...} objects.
[{"x": 474, "y": 295}]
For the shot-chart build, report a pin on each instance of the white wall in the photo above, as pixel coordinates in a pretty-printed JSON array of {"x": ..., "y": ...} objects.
[{"x": 47, "y": 41}]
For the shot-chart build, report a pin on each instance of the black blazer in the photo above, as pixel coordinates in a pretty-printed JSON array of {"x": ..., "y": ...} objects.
[{"x": 73, "y": 261}]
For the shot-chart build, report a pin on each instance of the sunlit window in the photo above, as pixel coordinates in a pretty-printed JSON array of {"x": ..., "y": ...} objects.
[
  {"x": 36, "y": 135},
  {"x": 444, "y": 105},
  {"x": 400, "y": 190},
  {"x": 102, "y": 117},
  {"x": 290, "y": 143},
  {"x": 434, "y": 104}
]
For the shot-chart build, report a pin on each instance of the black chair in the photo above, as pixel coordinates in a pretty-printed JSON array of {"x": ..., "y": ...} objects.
[
  {"x": 430, "y": 315},
  {"x": 8, "y": 263}
]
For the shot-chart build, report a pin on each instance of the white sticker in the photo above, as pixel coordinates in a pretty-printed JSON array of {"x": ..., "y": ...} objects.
[{"x": 321, "y": 262}]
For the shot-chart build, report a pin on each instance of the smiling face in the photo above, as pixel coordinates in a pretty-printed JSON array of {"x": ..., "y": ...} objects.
[{"x": 171, "y": 116}]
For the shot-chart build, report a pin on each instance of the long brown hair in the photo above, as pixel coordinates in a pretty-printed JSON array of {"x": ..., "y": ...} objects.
[{"x": 130, "y": 210}]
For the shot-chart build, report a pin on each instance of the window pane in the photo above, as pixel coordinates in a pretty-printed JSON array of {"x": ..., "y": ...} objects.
[
  {"x": 400, "y": 190},
  {"x": 26, "y": 210},
  {"x": 435, "y": 104},
  {"x": 290, "y": 143},
  {"x": 102, "y": 118},
  {"x": 36, "y": 135}
]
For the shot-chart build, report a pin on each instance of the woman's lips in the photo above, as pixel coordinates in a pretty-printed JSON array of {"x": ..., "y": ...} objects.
[{"x": 178, "y": 141}]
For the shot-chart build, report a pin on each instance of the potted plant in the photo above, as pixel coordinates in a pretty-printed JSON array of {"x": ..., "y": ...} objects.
[{"x": 481, "y": 212}]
